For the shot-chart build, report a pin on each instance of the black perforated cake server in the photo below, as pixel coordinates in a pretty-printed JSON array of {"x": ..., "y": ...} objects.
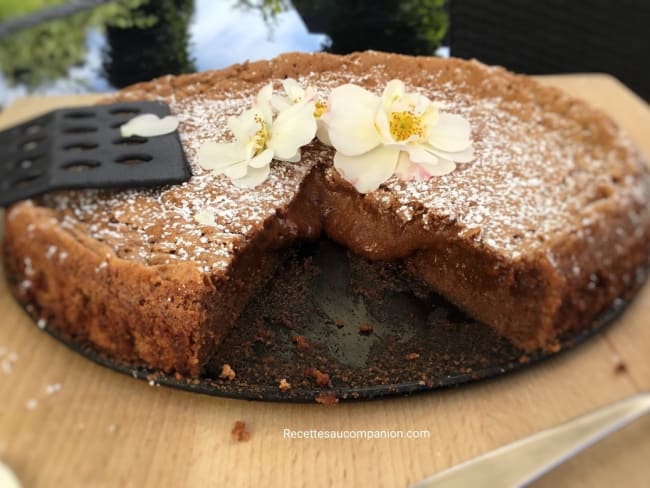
[{"x": 82, "y": 148}]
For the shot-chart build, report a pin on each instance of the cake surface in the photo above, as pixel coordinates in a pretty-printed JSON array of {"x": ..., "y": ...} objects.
[{"x": 539, "y": 234}]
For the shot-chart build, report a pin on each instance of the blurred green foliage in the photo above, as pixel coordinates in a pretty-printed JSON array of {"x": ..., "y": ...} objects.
[
  {"x": 401, "y": 26},
  {"x": 16, "y": 8},
  {"x": 47, "y": 51},
  {"x": 268, "y": 9}
]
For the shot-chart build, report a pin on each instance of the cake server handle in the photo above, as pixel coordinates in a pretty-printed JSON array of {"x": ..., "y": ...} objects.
[{"x": 527, "y": 459}]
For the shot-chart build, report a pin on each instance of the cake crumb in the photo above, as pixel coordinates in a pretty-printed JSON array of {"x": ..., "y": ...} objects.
[
  {"x": 227, "y": 373},
  {"x": 151, "y": 378},
  {"x": 554, "y": 347},
  {"x": 286, "y": 321},
  {"x": 412, "y": 356},
  {"x": 327, "y": 399},
  {"x": 284, "y": 385},
  {"x": 53, "y": 388},
  {"x": 339, "y": 323},
  {"x": 524, "y": 359},
  {"x": 239, "y": 432},
  {"x": 301, "y": 343},
  {"x": 365, "y": 329},
  {"x": 322, "y": 379},
  {"x": 31, "y": 404},
  {"x": 619, "y": 365},
  {"x": 8, "y": 362}
]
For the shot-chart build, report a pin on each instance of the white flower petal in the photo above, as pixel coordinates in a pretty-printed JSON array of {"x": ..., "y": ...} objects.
[
  {"x": 292, "y": 129},
  {"x": 367, "y": 171},
  {"x": 466, "y": 156},
  {"x": 263, "y": 103},
  {"x": 382, "y": 125},
  {"x": 419, "y": 154},
  {"x": 295, "y": 158},
  {"x": 254, "y": 177},
  {"x": 392, "y": 93},
  {"x": 405, "y": 169},
  {"x": 241, "y": 126},
  {"x": 204, "y": 217},
  {"x": 262, "y": 159},
  {"x": 322, "y": 132},
  {"x": 213, "y": 155},
  {"x": 237, "y": 170},
  {"x": 351, "y": 114},
  {"x": 293, "y": 89},
  {"x": 442, "y": 167},
  {"x": 451, "y": 133},
  {"x": 280, "y": 103},
  {"x": 149, "y": 125}
]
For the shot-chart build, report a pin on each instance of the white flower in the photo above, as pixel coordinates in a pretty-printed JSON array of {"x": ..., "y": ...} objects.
[
  {"x": 295, "y": 94},
  {"x": 260, "y": 137},
  {"x": 149, "y": 125},
  {"x": 398, "y": 133}
]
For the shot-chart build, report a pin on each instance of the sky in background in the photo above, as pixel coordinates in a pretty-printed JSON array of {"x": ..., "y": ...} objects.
[
  {"x": 220, "y": 35},
  {"x": 223, "y": 35}
]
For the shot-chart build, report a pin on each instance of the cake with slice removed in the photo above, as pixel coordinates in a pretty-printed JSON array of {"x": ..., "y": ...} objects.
[{"x": 540, "y": 233}]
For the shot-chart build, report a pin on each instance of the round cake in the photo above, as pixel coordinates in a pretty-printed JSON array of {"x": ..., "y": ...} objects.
[{"x": 543, "y": 230}]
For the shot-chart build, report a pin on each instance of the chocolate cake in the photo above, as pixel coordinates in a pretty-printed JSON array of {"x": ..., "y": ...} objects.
[{"x": 544, "y": 230}]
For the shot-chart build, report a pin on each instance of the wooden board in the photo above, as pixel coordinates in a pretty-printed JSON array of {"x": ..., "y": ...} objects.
[{"x": 106, "y": 429}]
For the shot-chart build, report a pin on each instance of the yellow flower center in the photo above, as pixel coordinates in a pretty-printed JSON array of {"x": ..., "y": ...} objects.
[
  {"x": 261, "y": 136},
  {"x": 319, "y": 109},
  {"x": 404, "y": 125}
]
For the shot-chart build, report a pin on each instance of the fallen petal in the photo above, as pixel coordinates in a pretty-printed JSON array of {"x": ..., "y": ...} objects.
[
  {"x": 204, "y": 217},
  {"x": 149, "y": 125}
]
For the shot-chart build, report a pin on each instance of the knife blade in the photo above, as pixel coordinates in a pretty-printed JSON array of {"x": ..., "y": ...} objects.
[{"x": 527, "y": 459}]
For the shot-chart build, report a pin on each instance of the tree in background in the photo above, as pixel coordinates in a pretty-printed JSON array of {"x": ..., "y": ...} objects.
[
  {"x": 48, "y": 50},
  {"x": 402, "y": 26},
  {"x": 9, "y": 9},
  {"x": 136, "y": 53}
]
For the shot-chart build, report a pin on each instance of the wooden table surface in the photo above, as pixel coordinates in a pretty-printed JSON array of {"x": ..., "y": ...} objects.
[{"x": 106, "y": 429}]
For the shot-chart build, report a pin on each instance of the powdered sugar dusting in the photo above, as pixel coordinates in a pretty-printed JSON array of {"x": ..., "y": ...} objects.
[
  {"x": 158, "y": 226},
  {"x": 537, "y": 173}
]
